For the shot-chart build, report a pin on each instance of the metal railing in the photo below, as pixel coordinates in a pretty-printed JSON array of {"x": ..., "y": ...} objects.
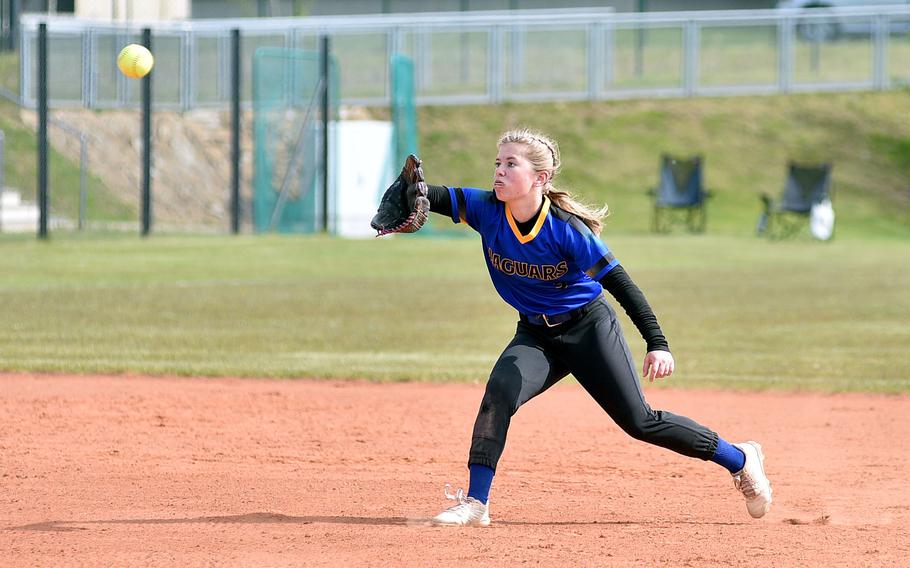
[
  {"x": 492, "y": 57},
  {"x": 83, "y": 139}
]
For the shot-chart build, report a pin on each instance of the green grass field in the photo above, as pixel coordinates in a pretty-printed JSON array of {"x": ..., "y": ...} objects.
[{"x": 740, "y": 313}]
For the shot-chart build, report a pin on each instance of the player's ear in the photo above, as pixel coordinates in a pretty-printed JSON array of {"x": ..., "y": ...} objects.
[{"x": 542, "y": 178}]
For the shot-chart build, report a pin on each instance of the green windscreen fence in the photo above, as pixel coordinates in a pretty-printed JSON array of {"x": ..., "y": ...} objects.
[
  {"x": 287, "y": 138},
  {"x": 404, "y": 116},
  {"x": 404, "y": 138}
]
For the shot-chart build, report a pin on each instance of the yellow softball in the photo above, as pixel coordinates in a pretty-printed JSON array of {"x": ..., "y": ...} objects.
[{"x": 135, "y": 61}]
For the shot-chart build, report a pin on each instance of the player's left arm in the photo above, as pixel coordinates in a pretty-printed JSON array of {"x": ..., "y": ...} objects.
[
  {"x": 658, "y": 362},
  {"x": 593, "y": 256}
]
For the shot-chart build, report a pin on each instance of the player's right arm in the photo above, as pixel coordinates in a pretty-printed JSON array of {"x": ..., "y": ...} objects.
[
  {"x": 471, "y": 206},
  {"x": 440, "y": 202}
]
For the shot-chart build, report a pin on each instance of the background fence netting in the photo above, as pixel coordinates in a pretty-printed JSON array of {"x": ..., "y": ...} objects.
[
  {"x": 287, "y": 138},
  {"x": 405, "y": 137},
  {"x": 404, "y": 117}
]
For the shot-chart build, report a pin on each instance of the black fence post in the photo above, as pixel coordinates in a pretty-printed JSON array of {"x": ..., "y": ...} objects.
[
  {"x": 13, "y": 40},
  {"x": 325, "y": 75},
  {"x": 42, "y": 132},
  {"x": 147, "y": 142},
  {"x": 235, "y": 131}
]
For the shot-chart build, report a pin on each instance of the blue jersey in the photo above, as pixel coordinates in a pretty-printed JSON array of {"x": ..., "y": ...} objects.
[{"x": 553, "y": 269}]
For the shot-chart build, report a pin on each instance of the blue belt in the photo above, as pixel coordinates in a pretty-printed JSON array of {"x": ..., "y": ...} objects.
[{"x": 558, "y": 319}]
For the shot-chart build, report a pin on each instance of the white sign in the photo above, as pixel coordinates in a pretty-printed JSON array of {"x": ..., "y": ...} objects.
[{"x": 362, "y": 170}]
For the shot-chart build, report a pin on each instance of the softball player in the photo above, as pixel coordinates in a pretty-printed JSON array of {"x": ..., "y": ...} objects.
[{"x": 545, "y": 259}]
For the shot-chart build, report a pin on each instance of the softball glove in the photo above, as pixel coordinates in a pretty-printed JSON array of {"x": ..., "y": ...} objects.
[{"x": 404, "y": 207}]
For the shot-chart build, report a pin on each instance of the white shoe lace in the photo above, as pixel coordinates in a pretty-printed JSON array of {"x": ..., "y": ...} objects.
[
  {"x": 458, "y": 496},
  {"x": 745, "y": 484}
]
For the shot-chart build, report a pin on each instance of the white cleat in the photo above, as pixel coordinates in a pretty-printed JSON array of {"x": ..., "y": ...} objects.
[
  {"x": 752, "y": 481},
  {"x": 467, "y": 512}
]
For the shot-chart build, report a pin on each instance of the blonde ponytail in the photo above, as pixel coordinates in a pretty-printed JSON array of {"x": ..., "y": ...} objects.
[{"x": 543, "y": 155}]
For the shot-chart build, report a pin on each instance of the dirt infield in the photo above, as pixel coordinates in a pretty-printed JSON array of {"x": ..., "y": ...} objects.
[{"x": 198, "y": 472}]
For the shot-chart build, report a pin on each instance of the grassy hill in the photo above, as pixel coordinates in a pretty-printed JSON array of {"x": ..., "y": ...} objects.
[
  {"x": 21, "y": 173},
  {"x": 611, "y": 152}
]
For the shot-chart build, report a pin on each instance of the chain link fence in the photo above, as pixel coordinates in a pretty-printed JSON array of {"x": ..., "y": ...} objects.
[
  {"x": 458, "y": 58},
  {"x": 491, "y": 57}
]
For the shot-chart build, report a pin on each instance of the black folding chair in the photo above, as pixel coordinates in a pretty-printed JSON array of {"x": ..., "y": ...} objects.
[
  {"x": 679, "y": 199},
  {"x": 807, "y": 186}
]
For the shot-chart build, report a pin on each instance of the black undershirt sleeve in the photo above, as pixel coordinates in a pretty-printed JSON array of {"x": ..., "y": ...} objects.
[
  {"x": 440, "y": 202},
  {"x": 619, "y": 284}
]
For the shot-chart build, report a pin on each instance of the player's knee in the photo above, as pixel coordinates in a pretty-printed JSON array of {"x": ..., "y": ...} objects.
[
  {"x": 636, "y": 430},
  {"x": 500, "y": 394},
  {"x": 639, "y": 426}
]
